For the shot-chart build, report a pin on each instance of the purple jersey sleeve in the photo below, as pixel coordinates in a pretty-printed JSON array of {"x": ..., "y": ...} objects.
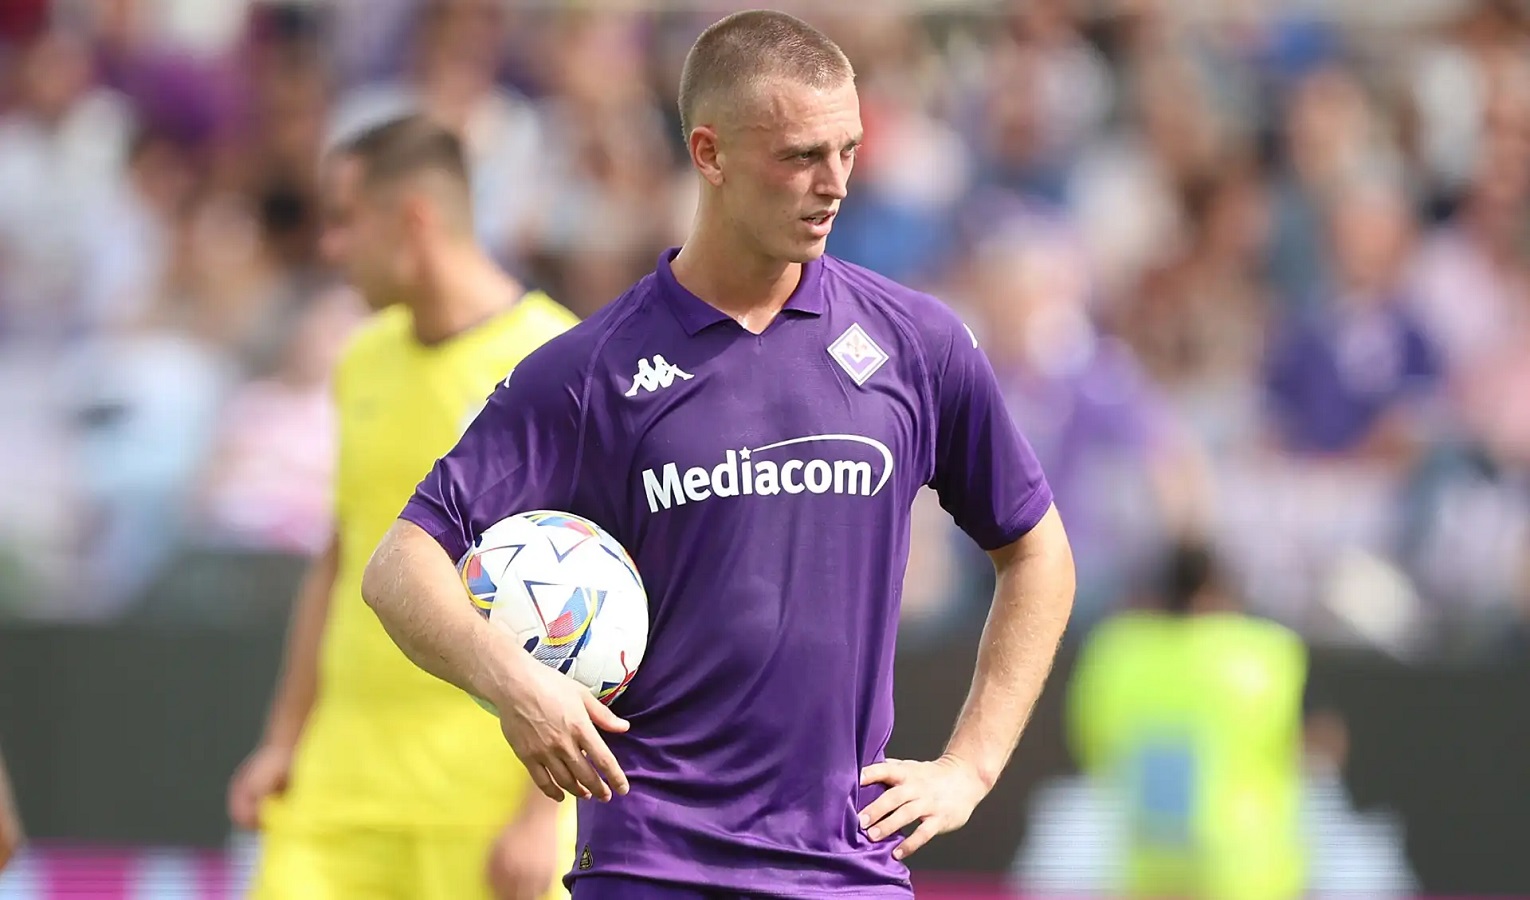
[
  {"x": 986, "y": 474},
  {"x": 519, "y": 454}
]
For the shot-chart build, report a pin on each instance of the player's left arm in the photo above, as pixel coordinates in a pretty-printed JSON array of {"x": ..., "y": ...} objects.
[
  {"x": 990, "y": 481},
  {"x": 1031, "y": 603}
]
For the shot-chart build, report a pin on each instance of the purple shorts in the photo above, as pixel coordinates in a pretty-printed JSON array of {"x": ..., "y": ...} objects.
[{"x": 616, "y": 887}]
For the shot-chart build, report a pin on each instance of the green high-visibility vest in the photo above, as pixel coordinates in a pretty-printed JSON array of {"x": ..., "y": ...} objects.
[{"x": 1193, "y": 725}]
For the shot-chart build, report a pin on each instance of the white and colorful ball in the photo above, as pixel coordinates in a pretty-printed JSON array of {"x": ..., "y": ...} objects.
[{"x": 568, "y": 592}]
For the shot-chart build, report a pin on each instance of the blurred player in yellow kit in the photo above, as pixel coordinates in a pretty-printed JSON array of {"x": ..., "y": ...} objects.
[{"x": 374, "y": 779}]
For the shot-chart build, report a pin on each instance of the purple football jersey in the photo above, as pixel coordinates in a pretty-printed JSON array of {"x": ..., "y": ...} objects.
[{"x": 763, "y": 485}]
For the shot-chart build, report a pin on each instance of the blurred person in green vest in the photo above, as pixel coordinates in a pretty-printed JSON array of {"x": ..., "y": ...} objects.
[{"x": 1189, "y": 717}]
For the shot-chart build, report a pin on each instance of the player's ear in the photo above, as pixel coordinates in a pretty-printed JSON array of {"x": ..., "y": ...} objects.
[
  {"x": 419, "y": 214},
  {"x": 705, "y": 154}
]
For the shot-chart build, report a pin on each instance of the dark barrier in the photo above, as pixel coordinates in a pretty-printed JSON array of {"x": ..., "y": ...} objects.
[{"x": 127, "y": 735}]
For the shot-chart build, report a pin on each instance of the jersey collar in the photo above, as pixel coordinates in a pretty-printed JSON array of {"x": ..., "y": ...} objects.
[{"x": 695, "y": 314}]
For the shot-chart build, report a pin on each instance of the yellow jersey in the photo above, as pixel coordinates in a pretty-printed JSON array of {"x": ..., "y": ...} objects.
[{"x": 388, "y": 746}]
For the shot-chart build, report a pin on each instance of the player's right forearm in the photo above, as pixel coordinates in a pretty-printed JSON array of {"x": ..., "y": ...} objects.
[
  {"x": 414, "y": 588},
  {"x": 299, "y": 682}
]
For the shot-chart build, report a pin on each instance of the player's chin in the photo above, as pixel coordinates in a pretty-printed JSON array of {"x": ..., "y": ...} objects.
[
  {"x": 373, "y": 291},
  {"x": 376, "y": 301},
  {"x": 808, "y": 249}
]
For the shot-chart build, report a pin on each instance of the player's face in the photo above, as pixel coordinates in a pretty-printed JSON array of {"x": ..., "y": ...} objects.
[
  {"x": 340, "y": 180},
  {"x": 378, "y": 263},
  {"x": 348, "y": 240},
  {"x": 793, "y": 152}
]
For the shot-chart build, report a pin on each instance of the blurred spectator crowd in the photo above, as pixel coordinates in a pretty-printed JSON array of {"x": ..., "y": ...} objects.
[{"x": 1252, "y": 278}]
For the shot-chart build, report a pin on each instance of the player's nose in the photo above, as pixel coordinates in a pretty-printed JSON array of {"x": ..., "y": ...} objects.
[
  {"x": 835, "y": 182},
  {"x": 833, "y": 189}
]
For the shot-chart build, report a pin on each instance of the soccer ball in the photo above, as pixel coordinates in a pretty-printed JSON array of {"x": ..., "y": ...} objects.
[{"x": 567, "y": 591}]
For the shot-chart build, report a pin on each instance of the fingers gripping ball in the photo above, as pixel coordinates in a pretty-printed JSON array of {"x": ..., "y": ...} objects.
[{"x": 567, "y": 591}]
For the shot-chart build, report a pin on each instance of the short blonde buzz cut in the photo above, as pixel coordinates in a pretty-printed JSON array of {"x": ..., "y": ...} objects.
[{"x": 751, "y": 47}]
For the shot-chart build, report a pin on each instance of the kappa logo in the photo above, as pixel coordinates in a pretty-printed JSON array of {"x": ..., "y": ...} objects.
[
  {"x": 651, "y": 376},
  {"x": 857, "y": 354}
]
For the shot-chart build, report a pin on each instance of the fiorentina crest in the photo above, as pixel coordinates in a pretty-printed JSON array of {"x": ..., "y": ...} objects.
[{"x": 857, "y": 354}]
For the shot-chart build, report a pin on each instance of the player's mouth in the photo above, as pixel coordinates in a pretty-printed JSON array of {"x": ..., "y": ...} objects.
[{"x": 820, "y": 223}]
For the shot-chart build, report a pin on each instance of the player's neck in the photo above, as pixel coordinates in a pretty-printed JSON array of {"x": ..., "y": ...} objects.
[
  {"x": 463, "y": 288},
  {"x": 749, "y": 288}
]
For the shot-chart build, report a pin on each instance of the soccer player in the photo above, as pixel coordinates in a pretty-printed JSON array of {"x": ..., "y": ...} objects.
[
  {"x": 753, "y": 421},
  {"x": 374, "y": 779}
]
